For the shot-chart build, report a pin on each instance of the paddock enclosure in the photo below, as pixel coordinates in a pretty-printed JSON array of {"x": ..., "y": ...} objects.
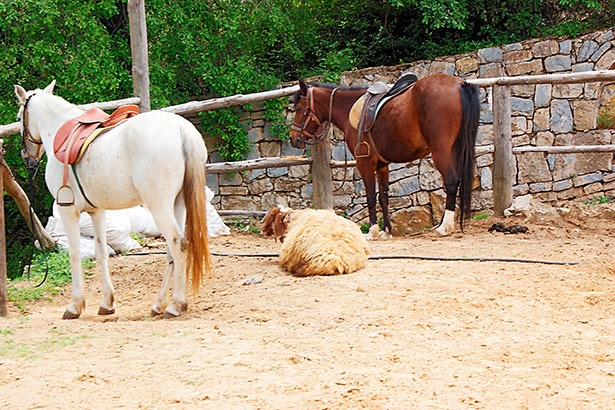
[
  {"x": 396, "y": 334},
  {"x": 423, "y": 333}
]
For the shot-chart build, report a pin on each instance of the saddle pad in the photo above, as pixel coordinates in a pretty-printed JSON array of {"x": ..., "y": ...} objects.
[
  {"x": 355, "y": 112},
  {"x": 72, "y": 135}
]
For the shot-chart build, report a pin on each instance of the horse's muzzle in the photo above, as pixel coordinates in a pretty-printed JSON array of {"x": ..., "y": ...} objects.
[{"x": 298, "y": 142}]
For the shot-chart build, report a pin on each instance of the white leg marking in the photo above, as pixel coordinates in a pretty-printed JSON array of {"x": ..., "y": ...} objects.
[
  {"x": 373, "y": 233},
  {"x": 448, "y": 223}
]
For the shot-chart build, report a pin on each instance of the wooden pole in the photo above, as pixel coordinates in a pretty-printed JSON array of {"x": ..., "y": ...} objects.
[
  {"x": 322, "y": 176},
  {"x": 138, "y": 47},
  {"x": 3, "y": 308},
  {"x": 14, "y": 190},
  {"x": 503, "y": 166}
]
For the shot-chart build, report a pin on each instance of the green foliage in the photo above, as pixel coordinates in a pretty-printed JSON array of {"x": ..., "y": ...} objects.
[
  {"x": 225, "y": 124},
  {"x": 20, "y": 291},
  {"x": 247, "y": 225},
  {"x": 11, "y": 347},
  {"x": 365, "y": 227},
  {"x": 73, "y": 42},
  {"x": 274, "y": 115},
  {"x": 482, "y": 215},
  {"x": 598, "y": 199}
]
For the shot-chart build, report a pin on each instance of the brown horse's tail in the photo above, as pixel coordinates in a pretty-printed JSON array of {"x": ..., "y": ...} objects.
[
  {"x": 464, "y": 147},
  {"x": 198, "y": 256}
]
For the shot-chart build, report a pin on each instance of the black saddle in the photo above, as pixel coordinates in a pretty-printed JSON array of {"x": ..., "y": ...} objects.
[{"x": 377, "y": 95}]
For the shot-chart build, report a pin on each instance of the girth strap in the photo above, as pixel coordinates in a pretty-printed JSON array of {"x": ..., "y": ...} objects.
[{"x": 73, "y": 138}]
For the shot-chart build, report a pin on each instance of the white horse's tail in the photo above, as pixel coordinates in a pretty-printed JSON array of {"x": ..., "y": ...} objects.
[{"x": 198, "y": 256}]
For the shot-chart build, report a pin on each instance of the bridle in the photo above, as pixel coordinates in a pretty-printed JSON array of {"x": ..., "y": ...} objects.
[
  {"x": 31, "y": 161},
  {"x": 311, "y": 117}
]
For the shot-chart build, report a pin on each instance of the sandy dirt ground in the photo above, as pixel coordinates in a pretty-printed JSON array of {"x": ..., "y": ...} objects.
[{"x": 398, "y": 334}]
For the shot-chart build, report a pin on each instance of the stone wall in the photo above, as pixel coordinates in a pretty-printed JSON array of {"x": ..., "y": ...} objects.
[{"x": 563, "y": 114}]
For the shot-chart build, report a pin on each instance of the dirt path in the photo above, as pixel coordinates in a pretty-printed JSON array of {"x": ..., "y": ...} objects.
[{"x": 398, "y": 334}]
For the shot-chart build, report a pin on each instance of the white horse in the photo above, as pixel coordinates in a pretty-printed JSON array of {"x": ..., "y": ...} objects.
[{"x": 155, "y": 158}]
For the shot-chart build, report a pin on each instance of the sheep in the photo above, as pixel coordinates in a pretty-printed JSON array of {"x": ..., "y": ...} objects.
[{"x": 316, "y": 242}]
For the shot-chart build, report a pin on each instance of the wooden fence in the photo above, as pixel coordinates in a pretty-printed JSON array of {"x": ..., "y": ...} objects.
[{"x": 321, "y": 154}]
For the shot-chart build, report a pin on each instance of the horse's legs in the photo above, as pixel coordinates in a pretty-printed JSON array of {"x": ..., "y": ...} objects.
[
  {"x": 382, "y": 172},
  {"x": 161, "y": 302},
  {"x": 176, "y": 262},
  {"x": 107, "y": 305},
  {"x": 366, "y": 169},
  {"x": 70, "y": 220},
  {"x": 180, "y": 278},
  {"x": 451, "y": 183}
]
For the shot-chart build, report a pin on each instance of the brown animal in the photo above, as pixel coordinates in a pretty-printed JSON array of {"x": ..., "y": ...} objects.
[
  {"x": 438, "y": 115},
  {"x": 316, "y": 242}
]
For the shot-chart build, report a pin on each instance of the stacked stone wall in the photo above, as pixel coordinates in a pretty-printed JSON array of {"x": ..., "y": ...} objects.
[{"x": 554, "y": 115}]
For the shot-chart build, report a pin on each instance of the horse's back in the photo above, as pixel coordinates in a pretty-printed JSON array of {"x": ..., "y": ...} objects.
[
  {"x": 139, "y": 158},
  {"x": 425, "y": 117},
  {"x": 436, "y": 105}
]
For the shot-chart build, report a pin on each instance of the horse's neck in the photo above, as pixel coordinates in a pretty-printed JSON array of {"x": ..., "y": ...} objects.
[
  {"x": 343, "y": 100},
  {"x": 51, "y": 115}
]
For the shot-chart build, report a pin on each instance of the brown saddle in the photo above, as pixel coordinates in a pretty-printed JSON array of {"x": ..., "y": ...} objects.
[{"x": 76, "y": 134}]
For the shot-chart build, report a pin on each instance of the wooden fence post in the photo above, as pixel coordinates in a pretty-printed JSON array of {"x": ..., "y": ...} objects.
[
  {"x": 3, "y": 308},
  {"x": 138, "y": 47},
  {"x": 322, "y": 176},
  {"x": 503, "y": 165}
]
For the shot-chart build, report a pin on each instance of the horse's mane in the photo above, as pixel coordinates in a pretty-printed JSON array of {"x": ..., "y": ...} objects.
[
  {"x": 55, "y": 99},
  {"x": 329, "y": 86}
]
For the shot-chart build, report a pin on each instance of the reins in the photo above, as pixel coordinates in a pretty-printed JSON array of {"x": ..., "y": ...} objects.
[
  {"x": 317, "y": 138},
  {"x": 32, "y": 164}
]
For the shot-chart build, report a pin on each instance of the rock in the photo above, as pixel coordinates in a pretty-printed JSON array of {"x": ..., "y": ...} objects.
[
  {"x": 252, "y": 280},
  {"x": 520, "y": 205}
]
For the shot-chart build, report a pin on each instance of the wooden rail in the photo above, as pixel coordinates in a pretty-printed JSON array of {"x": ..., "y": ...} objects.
[
  {"x": 13, "y": 128},
  {"x": 503, "y": 168}
]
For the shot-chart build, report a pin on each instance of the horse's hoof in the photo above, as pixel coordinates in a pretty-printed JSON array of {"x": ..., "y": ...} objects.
[
  {"x": 105, "y": 311},
  {"x": 70, "y": 315},
  {"x": 374, "y": 233},
  {"x": 155, "y": 313},
  {"x": 169, "y": 315},
  {"x": 443, "y": 232},
  {"x": 175, "y": 310}
]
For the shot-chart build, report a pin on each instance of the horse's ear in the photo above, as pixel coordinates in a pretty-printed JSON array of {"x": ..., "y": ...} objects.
[
  {"x": 279, "y": 226},
  {"x": 20, "y": 92},
  {"x": 49, "y": 88},
  {"x": 303, "y": 87}
]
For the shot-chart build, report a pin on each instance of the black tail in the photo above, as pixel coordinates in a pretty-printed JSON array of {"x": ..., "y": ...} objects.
[{"x": 464, "y": 147}]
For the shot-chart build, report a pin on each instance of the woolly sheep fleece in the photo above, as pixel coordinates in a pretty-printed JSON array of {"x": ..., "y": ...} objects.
[{"x": 319, "y": 242}]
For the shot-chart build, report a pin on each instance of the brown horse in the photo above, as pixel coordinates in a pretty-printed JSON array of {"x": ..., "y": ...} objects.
[{"x": 439, "y": 115}]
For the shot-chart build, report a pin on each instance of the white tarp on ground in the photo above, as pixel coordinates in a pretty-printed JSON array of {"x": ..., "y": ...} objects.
[{"x": 121, "y": 223}]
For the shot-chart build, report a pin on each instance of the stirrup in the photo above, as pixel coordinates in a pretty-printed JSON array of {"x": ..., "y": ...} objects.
[
  {"x": 65, "y": 196},
  {"x": 357, "y": 148}
]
